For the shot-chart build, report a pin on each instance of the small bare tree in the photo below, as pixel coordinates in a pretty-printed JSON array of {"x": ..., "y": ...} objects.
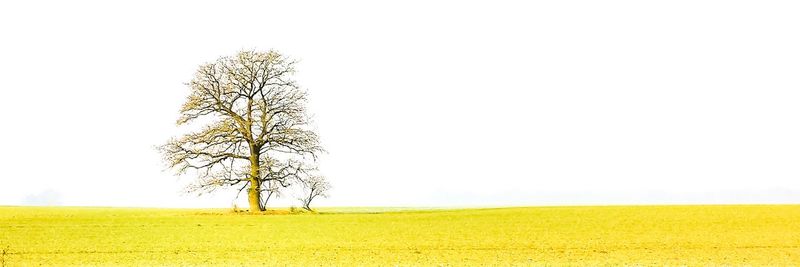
[
  {"x": 313, "y": 186},
  {"x": 259, "y": 133},
  {"x": 272, "y": 189}
]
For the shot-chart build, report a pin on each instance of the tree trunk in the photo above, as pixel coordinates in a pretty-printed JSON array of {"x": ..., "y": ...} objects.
[
  {"x": 253, "y": 193},
  {"x": 254, "y": 197},
  {"x": 266, "y": 199}
]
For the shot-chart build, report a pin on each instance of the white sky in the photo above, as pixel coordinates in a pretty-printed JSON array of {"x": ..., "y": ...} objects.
[{"x": 420, "y": 103}]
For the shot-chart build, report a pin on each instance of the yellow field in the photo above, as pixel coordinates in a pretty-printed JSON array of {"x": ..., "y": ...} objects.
[{"x": 614, "y": 235}]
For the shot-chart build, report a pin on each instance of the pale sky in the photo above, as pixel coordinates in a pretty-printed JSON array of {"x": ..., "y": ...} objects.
[{"x": 420, "y": 103}]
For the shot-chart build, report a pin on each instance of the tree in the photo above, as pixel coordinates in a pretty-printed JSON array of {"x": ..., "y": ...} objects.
[
  {"x": 258, "y": 132},
  {"x": 272, "y": 190},
  {"x": 313, "y": 186}
]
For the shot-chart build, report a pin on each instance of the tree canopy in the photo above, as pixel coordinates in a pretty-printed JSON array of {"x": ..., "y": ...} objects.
[{"x": 257, "y": 133}]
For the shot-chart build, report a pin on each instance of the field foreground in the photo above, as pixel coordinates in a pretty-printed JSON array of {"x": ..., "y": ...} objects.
[{"x": 612, "y": 235}]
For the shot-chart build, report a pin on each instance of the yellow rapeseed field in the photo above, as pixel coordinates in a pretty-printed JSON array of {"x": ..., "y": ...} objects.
[{"x": 608, "y": 235}]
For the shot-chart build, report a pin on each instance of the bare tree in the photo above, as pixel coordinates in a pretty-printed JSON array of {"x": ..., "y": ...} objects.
[
  {"x": 258, "y": 132},
  {"x": 272, "y": 190},
  {"x": 313, "y": 186}
]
